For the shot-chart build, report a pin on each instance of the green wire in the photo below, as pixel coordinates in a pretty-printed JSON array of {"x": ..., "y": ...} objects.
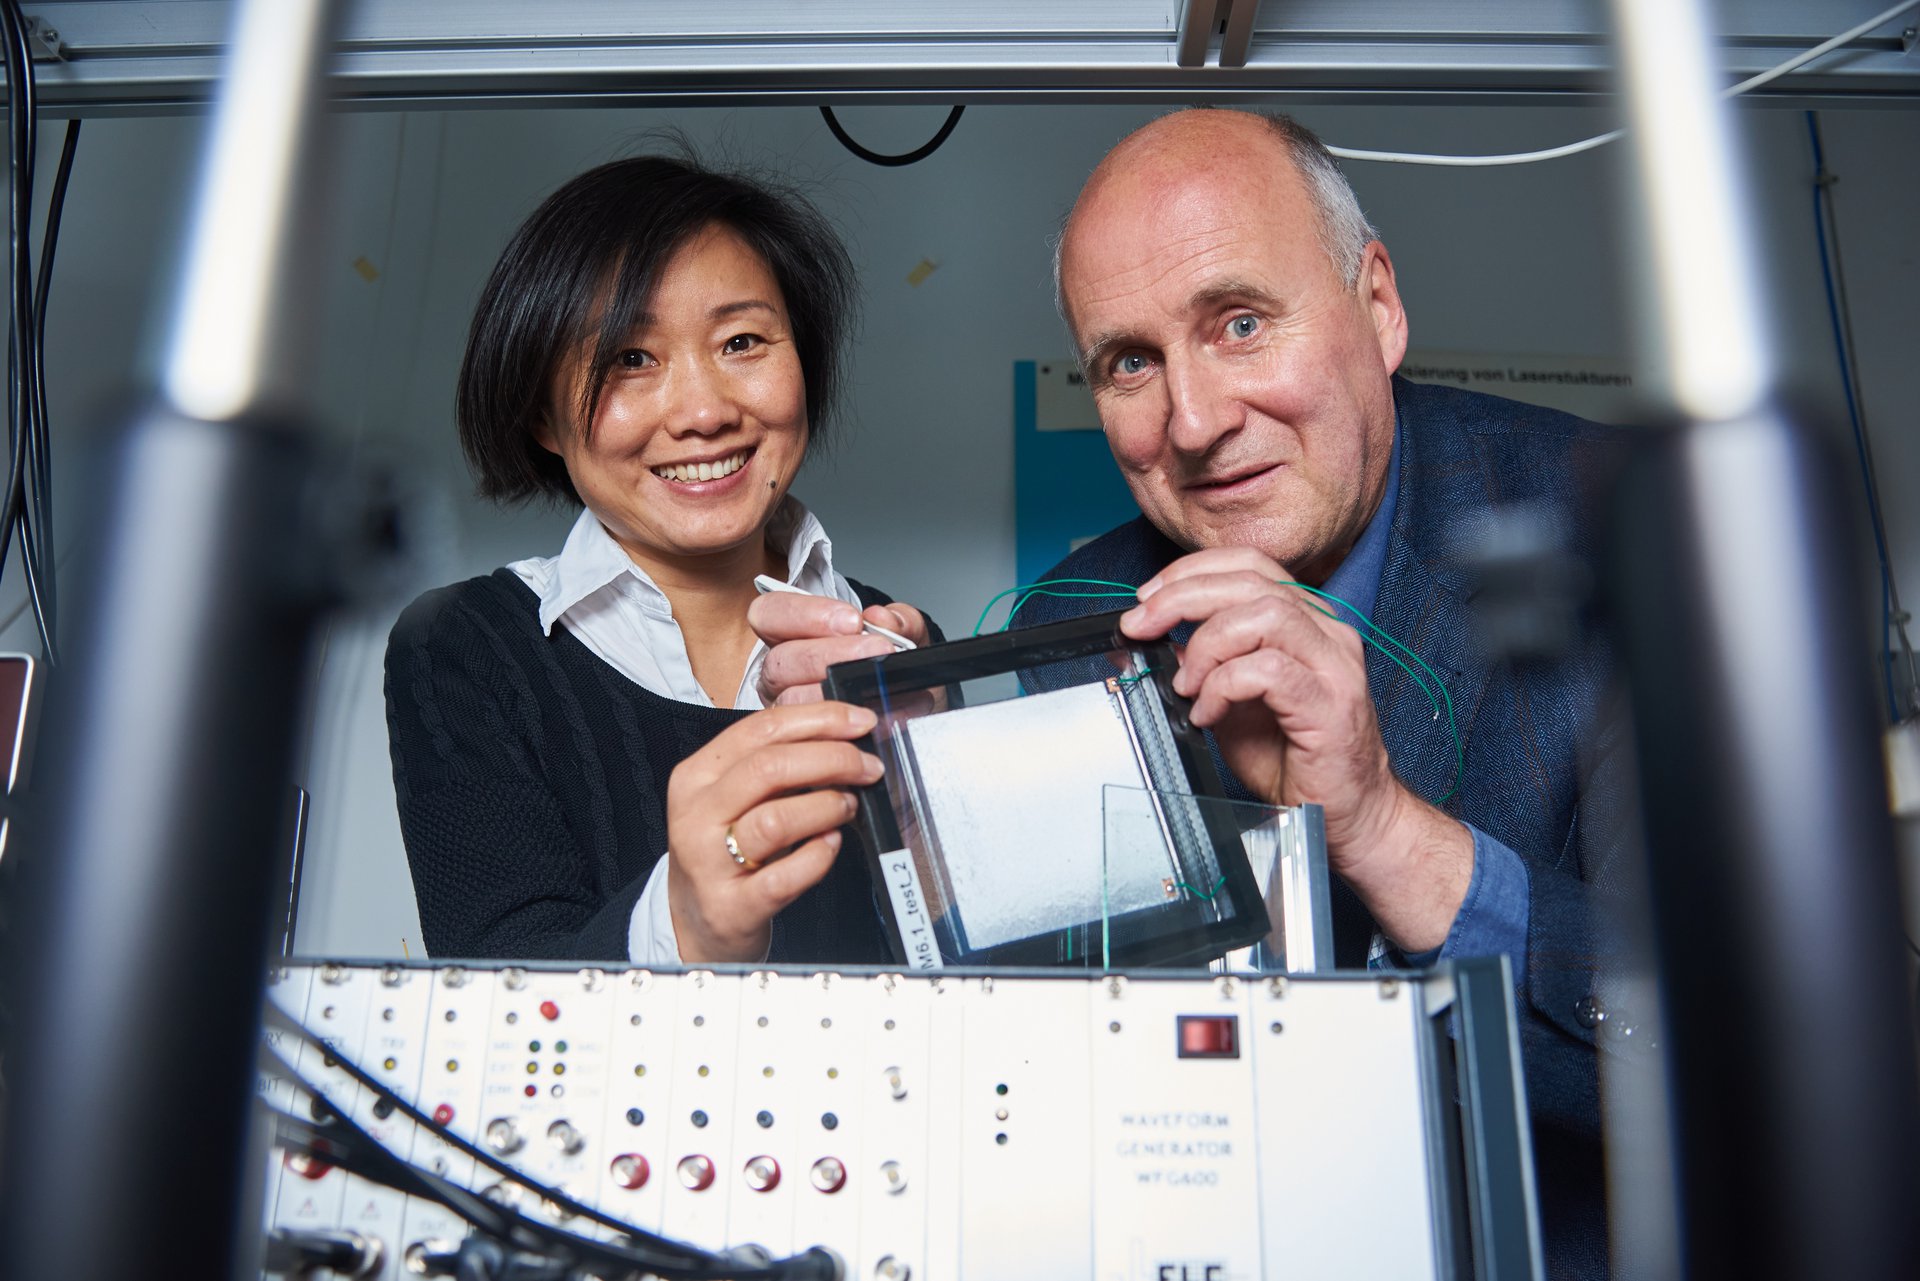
[
  {"x": 1453, "y": 728},
  {"x": 1370, "y": 633},
  {"x": 1033, "y": 589},
  {"x": 1205, "y": 894}
]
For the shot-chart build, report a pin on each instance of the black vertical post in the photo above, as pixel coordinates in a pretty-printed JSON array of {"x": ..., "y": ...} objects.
[
  {"x": 149, "y": 879},
  {"x": 1770, "y": 857},
  {"x": 151, "y": 875},
  {"x": 1790, "y": 1056}
]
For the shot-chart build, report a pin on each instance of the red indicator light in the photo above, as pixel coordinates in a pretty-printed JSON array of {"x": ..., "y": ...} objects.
[
  {"x": 532, "y": 1090},
  {"x": 306, "y": 1165},
  {"x": 630, "y": 1170},
  {"x": 549, "y": 1011},
  {"x": 443, "y": 1115},
  {"x": 696, "y": 1173},
  {"x": 763, "y": 1174},
  {"x": 829, "y": 1174},
  {"x": 1208, "y": 1036}
]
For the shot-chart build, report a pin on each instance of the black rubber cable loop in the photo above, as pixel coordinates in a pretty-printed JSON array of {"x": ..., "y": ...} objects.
[{"x": 906, "y": 158}]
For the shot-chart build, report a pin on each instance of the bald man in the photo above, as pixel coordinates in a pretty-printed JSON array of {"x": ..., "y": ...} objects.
[{"x": 1239, "y": 325}]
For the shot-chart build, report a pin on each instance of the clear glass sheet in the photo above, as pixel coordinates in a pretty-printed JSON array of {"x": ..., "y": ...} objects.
[{"x": 1285, "y": 847}]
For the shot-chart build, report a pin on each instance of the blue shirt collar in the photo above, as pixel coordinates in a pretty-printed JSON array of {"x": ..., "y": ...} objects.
[{"x": 1357, "y": 580}]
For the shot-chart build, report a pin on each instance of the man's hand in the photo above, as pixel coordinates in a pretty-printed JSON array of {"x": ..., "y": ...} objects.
[
  {"x": 1283, "y": 687},
  {"x": 805, "y": 635}
]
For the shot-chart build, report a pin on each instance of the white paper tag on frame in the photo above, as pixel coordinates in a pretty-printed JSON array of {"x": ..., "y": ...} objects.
[{"x": 910, "y": 910}]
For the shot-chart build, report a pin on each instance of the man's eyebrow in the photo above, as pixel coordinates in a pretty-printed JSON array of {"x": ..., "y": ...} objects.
[
  {"x": 1093, "y": 360},
  {"x": 1230, "y": 290}
]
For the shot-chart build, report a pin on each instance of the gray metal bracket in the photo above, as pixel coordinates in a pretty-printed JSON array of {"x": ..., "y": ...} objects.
[{"x": 45, "y": 41}]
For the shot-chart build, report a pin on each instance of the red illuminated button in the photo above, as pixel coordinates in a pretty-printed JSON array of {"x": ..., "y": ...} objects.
[
  {"x": 829, "y": 1174},
  {"x": 443, "y": 1115},
  {"x": 307, "y": 1166},
  {"x": 630, "y": 1170},
  {"x": 549, "y": 1011},
  {"x": 696, "y": 1173},
  {"x": 763, "y": 1174},
  {"x": 1208, "y": 1036}
]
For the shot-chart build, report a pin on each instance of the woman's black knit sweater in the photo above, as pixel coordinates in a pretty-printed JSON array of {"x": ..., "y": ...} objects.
[{"x": 532, "y": 781}]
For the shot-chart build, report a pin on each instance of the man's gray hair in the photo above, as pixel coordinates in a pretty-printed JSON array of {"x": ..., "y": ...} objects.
[{"x": 1344, "y": 230}]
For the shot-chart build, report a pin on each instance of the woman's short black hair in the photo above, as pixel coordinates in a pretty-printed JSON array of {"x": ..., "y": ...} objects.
[{"x": 581, "y": 270}]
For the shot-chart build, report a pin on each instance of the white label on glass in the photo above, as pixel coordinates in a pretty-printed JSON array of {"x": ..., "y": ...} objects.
[{"x": 910, "y": 910}]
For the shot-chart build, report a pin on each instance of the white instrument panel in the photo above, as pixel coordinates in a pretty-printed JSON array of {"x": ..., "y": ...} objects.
[{"x": 977, "y": 1128}]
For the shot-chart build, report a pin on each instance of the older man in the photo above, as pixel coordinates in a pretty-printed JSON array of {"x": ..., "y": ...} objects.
[{"x": 1240, "y": 326}]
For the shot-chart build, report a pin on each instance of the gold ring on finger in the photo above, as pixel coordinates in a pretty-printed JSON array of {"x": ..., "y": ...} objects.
[{"x": 733, "y": 851}]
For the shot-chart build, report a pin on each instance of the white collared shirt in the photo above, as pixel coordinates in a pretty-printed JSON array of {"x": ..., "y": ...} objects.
[{"x": 621, "y": 615}]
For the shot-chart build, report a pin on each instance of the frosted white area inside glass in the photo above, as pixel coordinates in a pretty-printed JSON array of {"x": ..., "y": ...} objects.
[{"x": 1014, "y": 791}]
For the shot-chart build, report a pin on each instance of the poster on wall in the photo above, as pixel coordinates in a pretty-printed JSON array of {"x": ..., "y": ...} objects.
[
  {"x": 1066, "y": 489},
  {"x": 1598, "y": 387}
]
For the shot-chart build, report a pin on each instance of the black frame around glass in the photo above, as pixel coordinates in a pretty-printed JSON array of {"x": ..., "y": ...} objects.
[{"x": 1173, "y": 933}]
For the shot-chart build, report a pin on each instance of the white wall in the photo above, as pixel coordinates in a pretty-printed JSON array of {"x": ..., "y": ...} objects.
[{"x": 918, "y": 492}]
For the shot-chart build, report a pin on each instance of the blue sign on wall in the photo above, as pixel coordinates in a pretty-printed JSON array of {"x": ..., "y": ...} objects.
[{"x": 1066, "y": 488}]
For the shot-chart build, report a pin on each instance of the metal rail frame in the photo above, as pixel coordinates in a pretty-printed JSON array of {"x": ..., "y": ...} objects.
[{"x": 145, "y": 56}]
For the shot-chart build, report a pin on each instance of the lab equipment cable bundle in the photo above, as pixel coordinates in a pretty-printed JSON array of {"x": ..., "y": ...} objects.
[
  {"x": 510, "y": 1245},
  {"x": 29, "y": 494}
]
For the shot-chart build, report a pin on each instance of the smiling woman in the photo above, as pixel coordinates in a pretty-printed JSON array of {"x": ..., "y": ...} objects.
[{"x": 583, "y": 765}]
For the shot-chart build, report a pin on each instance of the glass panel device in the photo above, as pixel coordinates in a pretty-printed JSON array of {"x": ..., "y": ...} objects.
[{"x": 990, "y": 830}]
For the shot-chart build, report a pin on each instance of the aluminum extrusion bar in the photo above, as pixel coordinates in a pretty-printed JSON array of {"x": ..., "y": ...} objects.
[
  {"x": 1196, "y": 31},
  {"x": 1237, "y": 40},
  {"x": 156, "y": 55}
]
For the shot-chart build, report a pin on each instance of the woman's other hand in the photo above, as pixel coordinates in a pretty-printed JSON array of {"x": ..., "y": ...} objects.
[
  {"x": 805, "y": 635},
  {"x": 753, "y": 822}
]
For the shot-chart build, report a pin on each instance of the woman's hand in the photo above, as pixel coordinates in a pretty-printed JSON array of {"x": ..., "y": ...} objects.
[
  {"x": 779, "y": 784},
  {"x": 806, "y": 635}
]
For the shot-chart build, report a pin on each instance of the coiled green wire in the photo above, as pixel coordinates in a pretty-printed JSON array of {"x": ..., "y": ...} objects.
[{"x": 1371, "y": 633}]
